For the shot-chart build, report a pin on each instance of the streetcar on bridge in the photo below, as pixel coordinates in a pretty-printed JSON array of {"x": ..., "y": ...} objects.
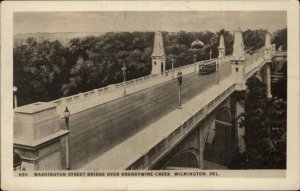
[{"x": 207, "y": 67}]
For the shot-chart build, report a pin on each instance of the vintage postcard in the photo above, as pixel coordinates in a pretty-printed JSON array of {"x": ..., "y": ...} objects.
[{"x": 151, "y": 95}]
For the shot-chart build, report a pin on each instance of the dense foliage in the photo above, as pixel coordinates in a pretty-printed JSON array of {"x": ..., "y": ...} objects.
[
  {"x": 254, "y": 39},
  {"x": 47, "y": 70},
  {"x": 178, "y": 46},
  {"x": 280, "y": 39},
  {"x": 265, "y": 129}
]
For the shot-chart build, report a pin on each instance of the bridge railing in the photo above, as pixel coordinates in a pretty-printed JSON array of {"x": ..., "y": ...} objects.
[
  {"x": 262, "y": 57},
  {"x": 98, "y": 92},
  {"x": 167, "y": 142}
]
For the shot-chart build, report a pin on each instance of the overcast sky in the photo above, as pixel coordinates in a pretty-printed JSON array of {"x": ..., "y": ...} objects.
[{"x": 30, "y": 22}]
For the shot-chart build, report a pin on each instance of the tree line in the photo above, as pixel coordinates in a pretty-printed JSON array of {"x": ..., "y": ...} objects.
[{"x": 45, "y": 71}]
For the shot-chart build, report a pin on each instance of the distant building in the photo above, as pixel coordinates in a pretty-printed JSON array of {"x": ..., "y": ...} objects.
[{"x": 197, "y": 44}]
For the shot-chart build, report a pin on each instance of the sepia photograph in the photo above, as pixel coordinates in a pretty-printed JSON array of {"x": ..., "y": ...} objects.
[
  {"x": 149, "y": 93},
  {"x": 143, "y": 93}
]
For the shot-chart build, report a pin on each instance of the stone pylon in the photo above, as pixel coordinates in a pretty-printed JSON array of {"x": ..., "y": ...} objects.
[
  {"x": 268, "y": 40},
  {"x": 238, "y": 61},
  {"x": 221, "y": 47},
  {"x": 158, "y": 56},
  {"x": 238, "y": 46},
  {"x": 268, "y": 47}
]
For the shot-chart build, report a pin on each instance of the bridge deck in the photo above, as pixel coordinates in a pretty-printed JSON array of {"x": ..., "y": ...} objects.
[
  {"x": 99, "y": 129},
  {"x": 139, "y": 144}
]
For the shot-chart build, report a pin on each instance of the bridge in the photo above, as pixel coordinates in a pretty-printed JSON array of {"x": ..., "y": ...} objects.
[{"x": 144, "y": 128}]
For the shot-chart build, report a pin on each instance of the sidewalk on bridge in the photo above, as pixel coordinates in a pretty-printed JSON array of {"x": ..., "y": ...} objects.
[{"x": 126, "y": 153}]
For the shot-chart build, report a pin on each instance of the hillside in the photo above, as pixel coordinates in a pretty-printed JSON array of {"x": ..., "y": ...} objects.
[{"x": 62, "y": 37}]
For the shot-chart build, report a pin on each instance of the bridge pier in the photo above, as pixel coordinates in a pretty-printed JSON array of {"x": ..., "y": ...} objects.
[
  {"x": 267, "y": 54},
  {"x": 268, "y": 80},
  {"x": 238, "y": 143},
  {"x": 201, "y": 145}
]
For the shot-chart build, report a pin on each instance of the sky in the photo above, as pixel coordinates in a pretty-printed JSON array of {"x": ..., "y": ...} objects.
[{"x": 171, "y": 21}]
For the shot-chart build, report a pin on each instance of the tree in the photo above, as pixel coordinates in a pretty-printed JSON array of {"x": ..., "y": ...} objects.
[
  {"x": 99, "y": 60},
  {"x": 39, "y": 70},
  {"x": 45, "y": 70},
  {"x": 254, "y": 39},
  {"x": 265, "y": 130},
  {"x": 280, "y": 38}
]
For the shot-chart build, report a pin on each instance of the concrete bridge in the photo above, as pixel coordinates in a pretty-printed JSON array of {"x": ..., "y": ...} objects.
[{"x": 145, "y": 129}]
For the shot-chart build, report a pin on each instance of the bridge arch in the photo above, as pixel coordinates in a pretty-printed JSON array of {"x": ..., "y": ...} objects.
[
  {"x": 217, "y": 145},
  {"x": 188, "y": 158}
]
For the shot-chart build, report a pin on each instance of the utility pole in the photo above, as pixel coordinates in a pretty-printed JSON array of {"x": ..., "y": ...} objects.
[
  {"x": 195, "y": 62},
  {"x": 218, "y": 72},
  {"x": 124, "y": 75},
  {"x": 172, "y": 68}
]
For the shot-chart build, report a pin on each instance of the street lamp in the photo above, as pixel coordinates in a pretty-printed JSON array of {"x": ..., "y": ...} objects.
[
  {"x": 195, "y": 61},
  {"x": 179, "y": 78},
  {"x": 124, "y": 75},
  {"x": 172, "y": 68},
  {"x": 15, "y": 89},
  {"x": 67, "y": 116},
  {"x": 218, "y": 71}
]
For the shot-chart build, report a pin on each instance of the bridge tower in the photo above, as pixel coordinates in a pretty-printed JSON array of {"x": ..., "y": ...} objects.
[
  {"x": 238, "y": 61},
  {"x": 158, "y": 56},
  {"x": 221, "y": 47},
  {"x": 268, "y": 47},
  {"x": 238, "y": 74}
]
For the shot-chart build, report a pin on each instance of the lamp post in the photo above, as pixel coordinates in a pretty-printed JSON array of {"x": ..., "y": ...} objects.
[
  {"x": 210, "y": 54},
  {"x": 124, "y": 75},
  {"x": 179, "y": 78},
  {"x": 15, "y": 89},
  {"x": 67, "y": 116},
  {"x": 195, "y": 62},
  {"x": 218, "y": 71},
  {"x": 172, "y": 68}
]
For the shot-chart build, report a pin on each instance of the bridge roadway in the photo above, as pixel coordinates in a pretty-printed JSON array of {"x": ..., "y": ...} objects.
[
  {"x": 138, "y": 145},
  {"x": 101, "y": 128},
  {"x": 95, "y": 131}
]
